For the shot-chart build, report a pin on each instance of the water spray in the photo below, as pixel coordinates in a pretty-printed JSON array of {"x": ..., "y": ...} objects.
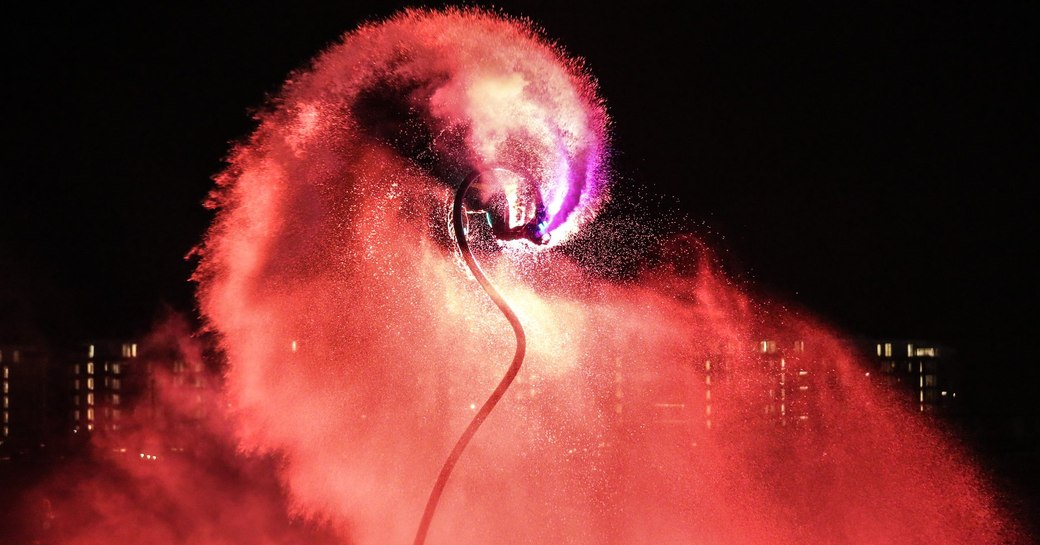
[{"x": 533, "y": 231}]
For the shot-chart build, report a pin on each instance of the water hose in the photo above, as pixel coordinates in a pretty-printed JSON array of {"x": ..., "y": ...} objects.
[{"x": 503, "y": 385}]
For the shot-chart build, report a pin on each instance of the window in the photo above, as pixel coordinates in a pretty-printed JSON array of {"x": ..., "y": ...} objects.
[
  {"x": 90, "y": 383},
  {"x": 888, "y": 350},
  {"x": 115, "y": 368},
  {"x": 90, "y": 368}
]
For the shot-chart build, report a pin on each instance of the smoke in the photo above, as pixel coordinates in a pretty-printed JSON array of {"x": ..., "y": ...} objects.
[{"x": 650, "y": 410}]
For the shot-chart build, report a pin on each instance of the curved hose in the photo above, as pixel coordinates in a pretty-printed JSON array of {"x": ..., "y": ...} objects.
[{"x": 503, "y": 385}]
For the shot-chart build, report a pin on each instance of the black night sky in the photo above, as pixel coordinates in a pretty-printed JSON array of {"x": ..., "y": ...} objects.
[{"x": 870, "y": 164}]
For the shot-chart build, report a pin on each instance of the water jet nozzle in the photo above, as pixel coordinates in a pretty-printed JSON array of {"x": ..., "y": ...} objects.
[{"x": 533, "y": 230}]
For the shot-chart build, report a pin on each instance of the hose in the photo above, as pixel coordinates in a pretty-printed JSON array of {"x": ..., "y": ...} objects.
[{"x": 503, "y": 385}]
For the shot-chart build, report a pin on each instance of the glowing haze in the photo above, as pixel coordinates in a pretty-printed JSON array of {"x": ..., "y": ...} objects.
[{"x": 358, "y": 346}]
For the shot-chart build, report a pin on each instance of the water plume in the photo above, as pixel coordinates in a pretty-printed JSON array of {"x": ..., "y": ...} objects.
[{"x": 359, "y": 348}]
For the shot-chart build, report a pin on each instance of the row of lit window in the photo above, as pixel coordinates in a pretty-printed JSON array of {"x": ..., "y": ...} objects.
[
  {"x": 769, "y": 347},
  {"x": 114, "y": 383},
  {"x": 113, "y": 413},
  {"x": 90, "y": 399},
  {"x": 115, "y": 368},
  {"x": 885, "y": 350},
  {"x": 129, "y": 350}
]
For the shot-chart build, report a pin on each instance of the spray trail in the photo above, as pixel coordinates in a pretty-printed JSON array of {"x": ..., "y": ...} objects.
[{"x": 358, "y": 349}]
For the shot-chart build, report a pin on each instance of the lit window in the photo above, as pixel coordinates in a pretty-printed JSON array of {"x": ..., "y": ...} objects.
[
  {"x": 293, "y": 347},
  {"x": 75, "y": 369},
  {"x": 90, "y": 368},
  {"x": 909, "y": 350},
  {"x": 7, "y": 372},
  {"x": 90, "y": 414},
  {"x": 90, "y": 398},
  {"x": 799, "y": 346},
  {"x": 75, "y": 415},
  {"x": 924, "y": 352},
  {"x": 6, "y": 387},
  {"x": 75, "y": 384},
  {"x": 133, "y": 350},
  {"x": 888, "y": 350},
  {"x": 90, "y": 384},
  {"x": 707, "y": 365},
  {"x": 115, "y": 368},
  {"x": 879, "y": 349},
  {"x": 7, "y": 431},
  {"x": 115, "y": 384},
  {"x": 767, "y": 347},
  {"x": 115, "y": 399},
  {"x": 7, "y": 417},
  {"x": 90, "y": 351},
  {"x": 7, "y": 402}
]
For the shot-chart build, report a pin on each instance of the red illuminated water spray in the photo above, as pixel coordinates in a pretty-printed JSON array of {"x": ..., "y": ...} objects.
[{"x": 532, "y": 231}]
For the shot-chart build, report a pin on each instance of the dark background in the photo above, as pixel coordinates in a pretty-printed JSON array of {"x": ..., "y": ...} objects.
[{"x": 872, "y": 164}]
